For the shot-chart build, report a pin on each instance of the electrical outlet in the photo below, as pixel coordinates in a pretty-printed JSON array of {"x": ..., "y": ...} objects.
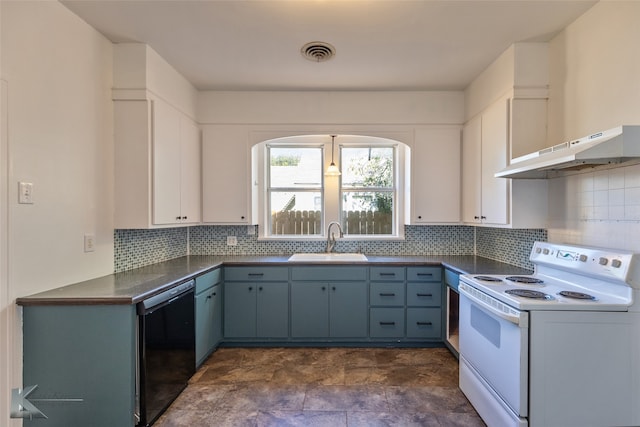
[
  {"x": 89, "y": 243},
  {"x": 25, "y": 193},
  {"x": 232, "y": 241},
  {"x": 251, "y": 230}
]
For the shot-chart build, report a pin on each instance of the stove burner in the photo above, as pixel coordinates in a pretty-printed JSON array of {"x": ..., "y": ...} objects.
[
  {"x": 576, "y": 295},
  {"x": 528, "y": 293},
  {"x": 488, "y": 278},
  {"x": 525, "y": 279}
]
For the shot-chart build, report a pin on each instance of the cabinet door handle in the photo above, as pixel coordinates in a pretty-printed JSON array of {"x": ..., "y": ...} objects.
[
  {"x": 324, "y": 288},
  {"x": 424, "y": 295},
  {"x": 177, "y": 218},
  {"x": 388, "y": 274},
  {"x": 250, "y": 288},
  {"x": 387, "y": 323},
  {"x": 424, "y": 323},
  {"x": 260, "y": 288},
  {"x": 208, "y": 296},
  {"x": 483, "y": 217},
  {"x": 256, "y": 274},
  {"x": 387, "y": 294},
  {"x": 333, "y": 288},
  {"x": 213, "y": 294}
]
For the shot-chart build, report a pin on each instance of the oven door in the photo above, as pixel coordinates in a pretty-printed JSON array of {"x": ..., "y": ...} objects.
[{"x": 494, "y": 344}]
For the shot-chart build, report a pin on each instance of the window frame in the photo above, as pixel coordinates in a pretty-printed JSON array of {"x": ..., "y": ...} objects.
[
  {"x": 269, "y": 189},
  {"x": 331, "y": 185},
  {"x": 393, "y": 190}
]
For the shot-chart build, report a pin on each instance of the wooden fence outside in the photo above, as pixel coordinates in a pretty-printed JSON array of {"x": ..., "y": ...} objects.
[{"x": 309, "y": 222}]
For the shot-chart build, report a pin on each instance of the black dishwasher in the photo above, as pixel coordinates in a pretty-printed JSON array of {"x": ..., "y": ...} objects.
[{"x": 166, "y": 349}]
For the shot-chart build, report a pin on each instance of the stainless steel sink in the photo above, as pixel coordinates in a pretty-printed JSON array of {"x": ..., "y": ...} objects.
[{"x": 328, "y": 257}]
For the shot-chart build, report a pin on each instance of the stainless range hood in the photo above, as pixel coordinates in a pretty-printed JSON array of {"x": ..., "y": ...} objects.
[{"x": 615, "y": 145}]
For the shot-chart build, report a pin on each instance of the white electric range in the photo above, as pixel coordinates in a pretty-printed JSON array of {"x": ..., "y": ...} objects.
[{"x": 560, "y": 347}]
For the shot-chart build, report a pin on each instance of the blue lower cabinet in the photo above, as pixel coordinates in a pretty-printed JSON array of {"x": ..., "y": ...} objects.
[
  {"x": 424, "y": 323},
  {"x": 208, "y": 312},
  {"x": 386, "y": 322},
  {"x": 329, "y": 309},
  {"x": 256, "y": 310},
  {"x": 348, "y": 310}
]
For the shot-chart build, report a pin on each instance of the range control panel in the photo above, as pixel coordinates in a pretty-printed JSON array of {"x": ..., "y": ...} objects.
[{"x": 600, "y": 262}]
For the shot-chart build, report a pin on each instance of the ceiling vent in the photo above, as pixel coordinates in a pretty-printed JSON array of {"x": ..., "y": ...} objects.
[{"x": 318, "y": 51}]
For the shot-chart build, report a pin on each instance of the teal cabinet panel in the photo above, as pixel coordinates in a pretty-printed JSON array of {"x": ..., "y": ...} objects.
[
  {"x": 424, "y": 323},
  {"x": 388, "y": 294},
  {"x": 329, "y": 273},
  {"x": 348, "y": 310},
  {"x": 387, "y": 322},
  {"x": 240, "y": 313},
  {"x": 424, "y": 274},
  {"x": 451, "y": 279},
  {"x": 208, "y": 312},
  {"x": 424, "y": 294},
  {"x": 81, "y": 352},
  {"x": 273, "y": 310},
  {"x": 207, "y": 280},
  {"x": 309, "y": 310},
  {"x": 256, "y": 274},
  {"x": 387, "y": 274}
]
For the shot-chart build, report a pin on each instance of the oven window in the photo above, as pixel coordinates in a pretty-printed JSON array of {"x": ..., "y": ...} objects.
[{"x": 486, "y": 325}]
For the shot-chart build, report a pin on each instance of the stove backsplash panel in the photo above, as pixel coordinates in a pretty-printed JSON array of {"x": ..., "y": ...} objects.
[{"x": 512, "y": 246}]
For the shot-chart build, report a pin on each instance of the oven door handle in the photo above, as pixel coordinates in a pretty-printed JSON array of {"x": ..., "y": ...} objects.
[{"x": 513, "y": 318}]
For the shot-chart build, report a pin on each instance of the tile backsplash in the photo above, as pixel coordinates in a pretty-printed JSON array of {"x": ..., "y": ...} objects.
[
  {"x": 137, "y": 248},
  {"x": 511, "y": 246}
]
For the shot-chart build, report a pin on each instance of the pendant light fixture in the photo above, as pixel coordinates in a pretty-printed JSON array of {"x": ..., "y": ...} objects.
[{"x": 332, "y": 170}]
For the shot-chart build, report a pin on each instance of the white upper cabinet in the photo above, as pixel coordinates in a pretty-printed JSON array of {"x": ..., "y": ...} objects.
[
  {"x": 158, "y": 165},
  {"x": 435, "y": 175},
  {"x": 487, "y": 142},
  {"x": 226, "y": 174}
]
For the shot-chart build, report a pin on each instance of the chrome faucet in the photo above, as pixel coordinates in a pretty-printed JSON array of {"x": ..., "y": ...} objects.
[{"x": 331, "y": 238}]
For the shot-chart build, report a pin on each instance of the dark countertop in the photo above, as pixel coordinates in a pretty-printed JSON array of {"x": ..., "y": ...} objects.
[{"x": 133, "y": 286}]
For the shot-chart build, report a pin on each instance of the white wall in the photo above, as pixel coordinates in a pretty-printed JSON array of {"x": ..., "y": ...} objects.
[
  {"x": 58, "y": 72},
  {"x": 326, "y": 108},
  {"x": 595, "y": 85}
]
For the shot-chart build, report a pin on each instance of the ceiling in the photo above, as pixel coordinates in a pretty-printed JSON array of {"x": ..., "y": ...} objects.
[{"x": 380, "y": 44}]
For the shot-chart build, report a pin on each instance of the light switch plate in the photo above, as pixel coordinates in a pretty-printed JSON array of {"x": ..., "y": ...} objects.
[{"x": 232, "y": 241}]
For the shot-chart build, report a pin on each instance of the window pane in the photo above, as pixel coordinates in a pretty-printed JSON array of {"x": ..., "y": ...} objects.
[
  {"x": 296, "y": 213},
  {"x": 367, "y": 212},
  {"x": 295, "y": 167},
  {"x": 367, "y": 167}
]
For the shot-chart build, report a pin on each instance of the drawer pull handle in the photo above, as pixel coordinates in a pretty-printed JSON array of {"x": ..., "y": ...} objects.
[
  {"x": 260, "y": 288},
  {"x": 387, "y": 295},
  {"x": 387, "y": 323},
  {"x": 387, "y": 274},
  {"x": 425, "y": 295},
  {"x": 424, "y": 323},
  {"x": 425, "y": 274},
  {"x": 250, "y": 288},
  {"x": 256, "y": 274}
]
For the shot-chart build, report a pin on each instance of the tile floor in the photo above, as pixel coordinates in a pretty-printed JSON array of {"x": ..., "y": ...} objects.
[{"x": 324, "y": 387}]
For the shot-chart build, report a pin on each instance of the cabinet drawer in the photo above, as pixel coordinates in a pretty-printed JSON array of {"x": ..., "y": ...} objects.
[
  {"x": 207, "y": 280},
  {"x": 388, "y": 274},
  {"x": 386, "y": 293},
  {"x": 451, "y": 279},
  {"x": 328, "y": 273},
  {"x": 386, "y": 322},
  {"x": 424, "y": 323},
  {"x": 424, "y": 274},
  {"x": 424, "y": 294},
  {"x": 256, "y": 274}
]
